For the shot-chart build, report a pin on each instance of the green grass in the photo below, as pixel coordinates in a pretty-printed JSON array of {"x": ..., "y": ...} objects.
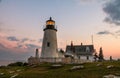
[{"x": 45, "y": 71}]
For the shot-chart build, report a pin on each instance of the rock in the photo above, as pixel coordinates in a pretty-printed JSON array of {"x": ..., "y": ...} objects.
[
  {"x": 33, "y": 66},
  {"x": 100, "y": 64},
  {"x": 111, "y": 76},
  {"x": 108, "y": 76},
  {"x": 117, "y": 74},
  {"x": 14, "y": 76},
  {"x": 11, "y": 72},
  {"x": 18, "y": 70},
  {"x": 56, "y": 65},
  {"x": 1, "y": 73},
  {"x": 110, "y": 66},
  {"x": 77, "y": 67}
]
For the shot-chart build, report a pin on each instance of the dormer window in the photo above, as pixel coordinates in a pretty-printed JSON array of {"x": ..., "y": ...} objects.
[{"x": 87, "y": 49}]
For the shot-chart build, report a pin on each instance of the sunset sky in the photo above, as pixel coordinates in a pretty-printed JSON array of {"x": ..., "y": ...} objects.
[{"x": 22, "y": 21}]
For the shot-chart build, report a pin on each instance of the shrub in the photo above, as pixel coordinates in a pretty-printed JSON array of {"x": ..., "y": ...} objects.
[{"x": 16, "y": 64}]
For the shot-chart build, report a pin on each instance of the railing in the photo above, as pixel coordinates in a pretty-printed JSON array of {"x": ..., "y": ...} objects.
[{"x": 45, "y": 27}]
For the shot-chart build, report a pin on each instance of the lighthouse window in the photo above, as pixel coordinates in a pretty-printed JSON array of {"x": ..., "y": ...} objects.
[{"x": 48, "y": 44}]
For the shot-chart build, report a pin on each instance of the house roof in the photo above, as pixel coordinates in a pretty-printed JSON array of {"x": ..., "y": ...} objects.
[{"x": 81, "y": 49}]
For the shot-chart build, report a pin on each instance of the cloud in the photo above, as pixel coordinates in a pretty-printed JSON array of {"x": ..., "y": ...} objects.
[
  {"x": 117, "y": 31},
  {"x": 11, "y": 48},
  {"x": 28, "y": 46},
  {"x": 12, "y": 38},
  {"x": 112, "y": 9},
  {"x": 27, "y": 40},
  {"x": 10, "y": 55},
  {"x": 14, "y": 42},
  {"x": 24, "y": 39},
  {"x": 7, "y": 41},
  {"x": 104, "y": 33},
  {"x": 32, "y": 46},
  {"x": 116, "y": 34},
  {"x": 15, "y": 48},
  {"x": 32, "y": 40}
]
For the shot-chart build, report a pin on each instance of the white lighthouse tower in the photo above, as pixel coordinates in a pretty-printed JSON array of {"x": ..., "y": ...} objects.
[{"x": 49, "y": 45}]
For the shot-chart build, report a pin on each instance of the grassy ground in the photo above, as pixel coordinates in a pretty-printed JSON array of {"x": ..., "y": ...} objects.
[{"x": 91, "y": 70}]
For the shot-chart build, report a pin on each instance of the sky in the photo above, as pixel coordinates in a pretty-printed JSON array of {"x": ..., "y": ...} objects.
[{"x": 22, "y": 23}]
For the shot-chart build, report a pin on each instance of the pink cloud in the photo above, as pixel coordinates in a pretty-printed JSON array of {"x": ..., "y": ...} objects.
[
  {"x": 7, "y": 43},
  {"x": 17, "y": 45}
]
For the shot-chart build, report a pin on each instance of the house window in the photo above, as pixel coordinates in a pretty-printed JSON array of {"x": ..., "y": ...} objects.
[
  {"x": 48, "y": 44},
  {"x": 87, "y": 49}
]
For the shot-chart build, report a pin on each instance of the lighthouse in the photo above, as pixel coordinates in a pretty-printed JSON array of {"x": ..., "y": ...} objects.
[{"x": 49, "y": 44}]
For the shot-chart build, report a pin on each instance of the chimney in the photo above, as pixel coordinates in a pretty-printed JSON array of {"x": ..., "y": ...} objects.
[
  {"x": 37, "y": 53},
  {"x": 81, "y": 44}
]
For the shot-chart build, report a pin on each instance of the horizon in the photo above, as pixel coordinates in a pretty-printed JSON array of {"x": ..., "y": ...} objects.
[{"x": 22, "y": 21}]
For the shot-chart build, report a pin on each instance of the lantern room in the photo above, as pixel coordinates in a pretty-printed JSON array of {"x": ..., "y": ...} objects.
[{"x": 50, "y": 22}]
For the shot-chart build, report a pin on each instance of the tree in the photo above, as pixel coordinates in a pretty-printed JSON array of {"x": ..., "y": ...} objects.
[
  {"x": 111, "y": 58},
  {"x": 101, "y": 57},
  {"x": 95, "y": 56},
  {"x": 61, "y": 50}
]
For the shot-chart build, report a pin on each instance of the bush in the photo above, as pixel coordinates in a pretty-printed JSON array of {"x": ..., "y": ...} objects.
[
  {"x": 25, "y": 64},
  {"x": 16, "y": 64}
]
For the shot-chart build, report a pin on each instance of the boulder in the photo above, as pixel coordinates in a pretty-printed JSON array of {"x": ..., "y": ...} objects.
[
  {"x": 1, "y": 73},
  {"x": 11, "y": 72},
  {"x": 56, "y": 65},
  {"x": 110, "y": 66},
  {"x": 77, "y": 67},
  {"x": 14, "y": 76},
  {"x": 108, "y": 76},
  {"x": 100, "y": 64},
  {"x": 111, "y": 76}
]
